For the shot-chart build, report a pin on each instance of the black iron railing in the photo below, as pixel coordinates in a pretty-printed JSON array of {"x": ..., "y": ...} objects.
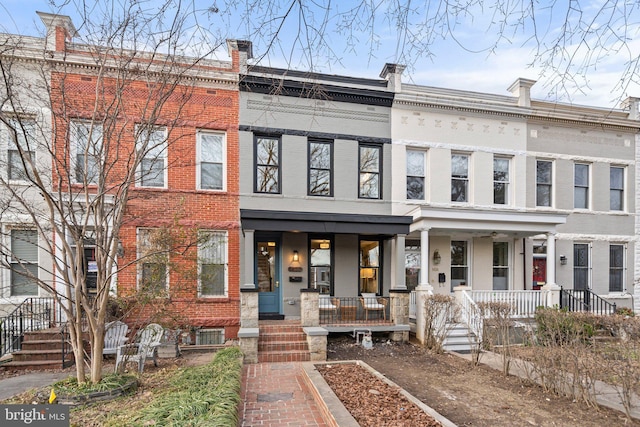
[
  {"x": 33, "y": 314},
  {"x": 353, "y": 310},
  {"x": 585, "y": 300}
]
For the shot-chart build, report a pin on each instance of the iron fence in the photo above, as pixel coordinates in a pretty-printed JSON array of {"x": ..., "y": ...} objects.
[{"x": 585, "y": 300}]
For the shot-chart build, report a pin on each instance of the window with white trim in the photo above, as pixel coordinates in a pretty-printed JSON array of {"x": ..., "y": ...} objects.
[
  {"x": 616, "y": 268},
  {"x": 459, "y": 263},
  {"x": 24, "y": 262},
  {"x": 212, "y": 153},
  {"x": 459, "y": 177},
  {"x": 544, "y": 183},
  {"x": 501, "y": 180},
  {"x": 416, "y": 167},
  {"x": 23, "y": 137},
  {"x": 212, "y": 263},
  {"x": 500, "y": 266},
  {"x": 153, "y": 271},
  {"x": 581, "y": 186},
  {"x": 616, "y": 188},
  {"x": 86, "y": 149},
  {"x": 152, "y": 142}
]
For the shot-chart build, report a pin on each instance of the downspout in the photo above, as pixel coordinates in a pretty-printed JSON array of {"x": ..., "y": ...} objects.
[{"x": 524, "y": 264}]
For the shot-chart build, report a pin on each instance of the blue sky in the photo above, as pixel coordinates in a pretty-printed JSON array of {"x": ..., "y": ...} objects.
[{"x": 461, "y": 60}]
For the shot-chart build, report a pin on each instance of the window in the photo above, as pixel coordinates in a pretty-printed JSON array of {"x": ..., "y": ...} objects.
[
  {"x": 152, "y": 142},
  {"x": 24, "y": 262},
  {"x": 267, "y": 152},
  {"x": 210, "y": 336},
  {"x": 616, "y": 268},
  {"x": 25, "y": 132},
  {"x": 86, "y": 144},
  {"x": 370, "y": 161},
  {"x": 459, "y": 177},
  {"x": 320, "y": 271},
  {"x": 211, "y": 160},
  {"x": 581, "y": 266},
  {"x": 616, "y": 192},
  {"x": 412, "y": 265},
  {"x": 370, "y": 266},
  {"x": 500, "y": 266},
  {"x": 153, "y": 255},
  {"x": 212, "y": 263},
  {"x": 581, "y": 186},
  {"x": 320, "y": 168},
  {"x": 501, "y": 180},
  {"x": 543, "y": 183},
  {"x": 459, "y": 264},
  {"x": 415, "y": 175}
]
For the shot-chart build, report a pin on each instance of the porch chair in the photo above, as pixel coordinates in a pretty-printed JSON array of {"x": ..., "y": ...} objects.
[
  {"x": 370, "y": 302},
  {"x": 329, "y": 304},
  {"x": 146, "y": 346},
  {"x": 115, "y": 335}
]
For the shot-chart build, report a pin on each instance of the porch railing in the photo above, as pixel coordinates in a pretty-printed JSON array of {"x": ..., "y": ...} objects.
[
  {"x": 585, "y": 300},
  {"x": 32, "y": 314},
  {"x": 523, "y": 303},
  {"x": 470, "y": 313},
  {"x": 353, "y": 310}
]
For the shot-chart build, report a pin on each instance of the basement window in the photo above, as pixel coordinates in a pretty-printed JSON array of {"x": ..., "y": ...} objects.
[{"x": 210, "y": 336}]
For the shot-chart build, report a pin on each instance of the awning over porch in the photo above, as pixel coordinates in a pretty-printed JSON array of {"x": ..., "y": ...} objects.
[{"x": 320, "y": 222}]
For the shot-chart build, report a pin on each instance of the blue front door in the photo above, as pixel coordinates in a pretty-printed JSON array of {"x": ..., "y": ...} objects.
[{"x": 268, "y": 275}]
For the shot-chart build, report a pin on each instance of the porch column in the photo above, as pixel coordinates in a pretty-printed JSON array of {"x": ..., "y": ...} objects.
[
  {"x": 398, "y": 280},
  {"x": 249, "y": 253},
  {"x": 551, "y": 259},
  {"x": 424, "y": 290}
]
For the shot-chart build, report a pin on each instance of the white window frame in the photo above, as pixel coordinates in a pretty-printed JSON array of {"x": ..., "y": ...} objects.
[
  {"x": 468, "y": 266},
  {"x": 162, "y": 153},
  {"x": 200, "y": 160},
  {"x": 507, "y": 266},
  {"x": 225, "y": 236},
  {"x": 423, "y": 153},
  {"x": 9, "y": 290},
  {"x": 11, "y": 145},
  {"x": 466, "y": 180},
  {"x": 507, "y": 183},
  {"x": 623, "y": 190},
  {"x": 73, "y": 134},
  {"x": 551, "y": 191},
  {"x": 624, "y": 268},
  {"x": 588, "y": 186},
  {"x": 141, "y": 260}
]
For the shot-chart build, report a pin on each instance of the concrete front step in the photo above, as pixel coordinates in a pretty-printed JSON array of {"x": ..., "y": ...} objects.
[{"x": 459, "y": 338}]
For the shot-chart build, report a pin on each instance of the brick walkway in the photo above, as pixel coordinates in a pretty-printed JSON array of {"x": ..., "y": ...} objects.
[{"x": 275, "y": 395}]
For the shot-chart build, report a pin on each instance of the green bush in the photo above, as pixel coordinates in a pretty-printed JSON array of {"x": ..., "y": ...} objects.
[
  {"x": 206, "y": 395},
  {"x": 561, "y": 327}
]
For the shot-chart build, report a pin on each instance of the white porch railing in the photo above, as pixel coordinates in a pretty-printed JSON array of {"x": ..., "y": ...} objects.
[
  {"x": 470, "y": 314},
  {"x": 523, "y": 303}
]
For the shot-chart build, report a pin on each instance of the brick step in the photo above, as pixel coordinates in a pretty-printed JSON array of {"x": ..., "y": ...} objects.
[
  {"x": 282, "y": 336},
  {"x": 284, "y": 328},
  {"x": 283, "y": 356},
  {"x": 42, "y": 344},
  {"x": 37, "y": 355},
  {"x": 43, "y": 335},
  {"x": 35, "y": 365},
  {"x": 283, "y": 346}
]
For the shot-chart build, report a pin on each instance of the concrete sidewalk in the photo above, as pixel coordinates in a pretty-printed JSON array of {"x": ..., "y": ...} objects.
[
  {"x": 13, "y": 386},
  {"x": 606, "y": 395}
]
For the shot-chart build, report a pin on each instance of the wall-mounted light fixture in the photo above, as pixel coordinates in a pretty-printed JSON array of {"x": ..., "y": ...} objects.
[
  {"x": 436, "y": 257},
  {"x": 325, "y": 244},
  {"x": 563, "y": 260},
  {"x": 296, "y": 256}
]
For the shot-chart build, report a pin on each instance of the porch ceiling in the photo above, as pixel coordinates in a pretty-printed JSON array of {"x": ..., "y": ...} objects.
[
  {"x": 320, "y": 222},
  {"x": 485, "y": 222}
]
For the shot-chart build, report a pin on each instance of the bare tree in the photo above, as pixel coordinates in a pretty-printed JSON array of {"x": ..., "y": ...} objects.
[{"x": 85, "y": 123}]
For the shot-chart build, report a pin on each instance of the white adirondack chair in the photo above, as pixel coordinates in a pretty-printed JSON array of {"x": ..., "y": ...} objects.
[
  {"x": 146, "y": 346},
  {"x": 115, "y": 335}
]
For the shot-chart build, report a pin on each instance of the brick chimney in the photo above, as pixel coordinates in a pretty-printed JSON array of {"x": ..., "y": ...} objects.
[
  {"x": 60, "y": 30},
  {"x": 241, "y": 51}
]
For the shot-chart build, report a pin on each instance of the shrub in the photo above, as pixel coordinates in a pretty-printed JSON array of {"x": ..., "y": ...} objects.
[
  {"x": 560, "y": 327},
  {"x": 625, "y": 311}
]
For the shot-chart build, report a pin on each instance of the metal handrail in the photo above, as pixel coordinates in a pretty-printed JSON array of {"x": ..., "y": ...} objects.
[
  {"x": 585, "y": 300},
  {"x": 32, "y": 314}
]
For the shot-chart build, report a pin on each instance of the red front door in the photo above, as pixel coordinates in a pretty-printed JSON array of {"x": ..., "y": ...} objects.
[{"x": 539, "y": 272}]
